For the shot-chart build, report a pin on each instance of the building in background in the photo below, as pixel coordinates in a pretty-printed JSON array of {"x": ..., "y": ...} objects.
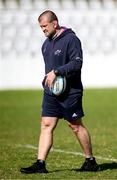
[{"x": 94, "y": 21}]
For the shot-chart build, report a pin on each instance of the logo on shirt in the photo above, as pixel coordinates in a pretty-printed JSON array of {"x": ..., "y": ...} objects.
[
  {"x": 78, "y": 58},
  {"x": 57, "y": 52}
]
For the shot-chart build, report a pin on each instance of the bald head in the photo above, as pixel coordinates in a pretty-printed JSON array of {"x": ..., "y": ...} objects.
[{"x": 50, "y": 15}]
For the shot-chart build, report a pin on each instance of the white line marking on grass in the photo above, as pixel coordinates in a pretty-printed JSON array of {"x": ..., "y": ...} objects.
[{"x": 28, "y": 146}]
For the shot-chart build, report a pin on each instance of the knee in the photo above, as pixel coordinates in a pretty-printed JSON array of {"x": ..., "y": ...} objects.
[
  {"x": 75, "y": 128},
  {"x": 47, "y": 125}
]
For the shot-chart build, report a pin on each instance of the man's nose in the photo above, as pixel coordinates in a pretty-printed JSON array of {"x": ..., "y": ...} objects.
[{"x": 43, "y": 29}]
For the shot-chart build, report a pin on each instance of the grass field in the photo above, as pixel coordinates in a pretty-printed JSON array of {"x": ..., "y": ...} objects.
[{"x": 20, "y": 126}]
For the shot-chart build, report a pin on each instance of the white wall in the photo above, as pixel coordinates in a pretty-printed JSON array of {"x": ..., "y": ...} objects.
[
  {"x": 98, "y": 71},
  {"x": 21, "y": 73}
]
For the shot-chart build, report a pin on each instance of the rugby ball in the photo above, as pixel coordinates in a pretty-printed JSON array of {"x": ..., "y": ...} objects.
[{"x": 58, "y": 86}]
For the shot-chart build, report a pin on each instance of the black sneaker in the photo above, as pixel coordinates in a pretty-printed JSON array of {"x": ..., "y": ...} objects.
[
  {"x": 90, "y": 165},
  {"x": 37, "y": 167}
]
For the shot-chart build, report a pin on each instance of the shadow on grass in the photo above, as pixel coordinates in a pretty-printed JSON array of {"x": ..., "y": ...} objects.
[
  {"x": 102, "y": 167},
  {"x": 106, "y": 166}
]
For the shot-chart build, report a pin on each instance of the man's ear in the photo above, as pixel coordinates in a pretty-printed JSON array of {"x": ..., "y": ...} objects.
[{"x": 55, "y": 24}]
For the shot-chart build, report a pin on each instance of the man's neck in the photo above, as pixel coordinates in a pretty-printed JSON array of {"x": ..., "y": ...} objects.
[{"x": 58, "y": 32}]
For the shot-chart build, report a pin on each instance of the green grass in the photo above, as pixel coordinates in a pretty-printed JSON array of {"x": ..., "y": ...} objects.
[{"x": 20, "y": 125}]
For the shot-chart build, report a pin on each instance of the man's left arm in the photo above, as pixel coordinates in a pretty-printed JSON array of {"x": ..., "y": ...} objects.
[{"x": 75, "y": 59}]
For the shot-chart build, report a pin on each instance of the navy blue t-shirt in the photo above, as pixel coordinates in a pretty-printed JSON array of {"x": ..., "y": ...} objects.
[{"x": 65, "y": 54}]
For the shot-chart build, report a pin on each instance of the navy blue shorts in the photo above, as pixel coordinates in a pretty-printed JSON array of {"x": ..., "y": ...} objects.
[{"x": 69, "y": 108}]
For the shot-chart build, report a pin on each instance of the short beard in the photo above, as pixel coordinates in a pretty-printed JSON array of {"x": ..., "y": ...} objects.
[{"x": 51, "y": 36}]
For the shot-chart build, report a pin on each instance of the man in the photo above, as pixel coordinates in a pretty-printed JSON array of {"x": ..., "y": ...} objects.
[{"x": 62, "y": 54}]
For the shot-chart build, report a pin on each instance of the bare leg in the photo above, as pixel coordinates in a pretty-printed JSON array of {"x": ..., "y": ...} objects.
[
  {"x": 83, "y": 136},
  {"x": 46, "y": 136}
]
